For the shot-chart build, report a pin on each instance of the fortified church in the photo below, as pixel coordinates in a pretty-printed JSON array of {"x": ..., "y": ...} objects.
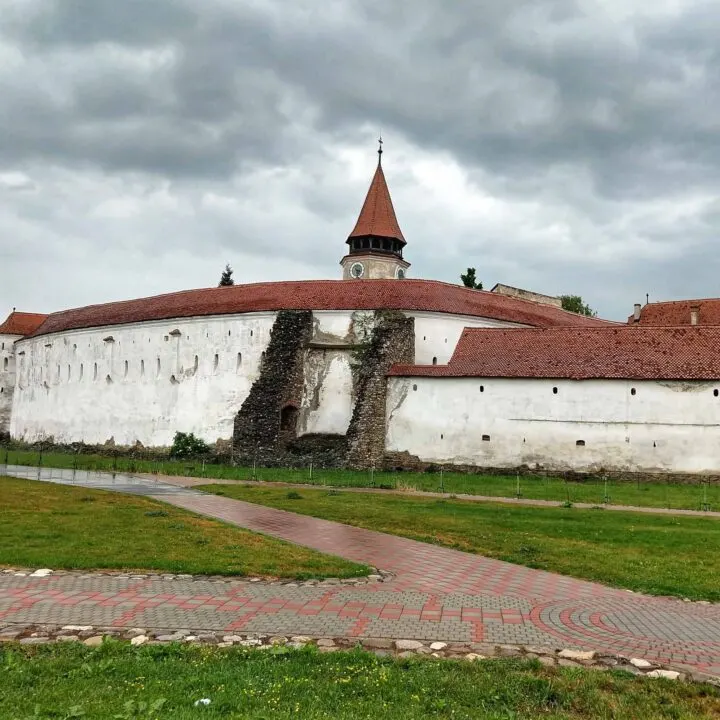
[{"x": 373, "y": 370}]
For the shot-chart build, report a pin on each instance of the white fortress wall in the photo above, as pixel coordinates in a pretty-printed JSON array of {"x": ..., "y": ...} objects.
[
  {"x": 436, "y": 334},
  {"x": 139, "y": 382},
  {"x": 143, "y": 381},
  {"x": 587, "y": 425},
  {"x": 7, "y": 379},
  {"x": 328, "y": 399}
]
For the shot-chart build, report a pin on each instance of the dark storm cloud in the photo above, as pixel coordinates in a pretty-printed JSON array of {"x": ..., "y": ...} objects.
[{"x": 593, "y": 125}]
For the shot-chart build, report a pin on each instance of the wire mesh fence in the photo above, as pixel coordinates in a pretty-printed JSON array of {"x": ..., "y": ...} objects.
[{"x": 593, "y": 490}]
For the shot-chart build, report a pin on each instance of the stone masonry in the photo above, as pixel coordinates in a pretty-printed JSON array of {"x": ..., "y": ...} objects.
[{"x": 392, "y": 341}]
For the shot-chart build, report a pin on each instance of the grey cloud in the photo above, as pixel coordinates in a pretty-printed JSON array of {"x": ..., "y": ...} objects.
[{"x": 605, "y": 122}]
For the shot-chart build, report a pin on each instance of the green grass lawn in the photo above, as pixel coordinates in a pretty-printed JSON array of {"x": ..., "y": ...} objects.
[
  {"x": 656, "y": 554},
  {"x": 679, "y": 496},
  {"x": 56, "y": 526},
  {"x": 119, "y": 682}
]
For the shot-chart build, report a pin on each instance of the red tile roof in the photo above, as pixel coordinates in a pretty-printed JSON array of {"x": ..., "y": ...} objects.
[
  {"x": 407, "y": 295},
  {"x": 677, "y": 312},
  {"x": 21, "y": 323},
  {"x": 377, "y": 216},
  {"x": 621, "y": 352}
]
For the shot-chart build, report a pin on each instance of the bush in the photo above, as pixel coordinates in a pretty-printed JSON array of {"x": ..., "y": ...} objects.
[{"x": 187, "y": 445}]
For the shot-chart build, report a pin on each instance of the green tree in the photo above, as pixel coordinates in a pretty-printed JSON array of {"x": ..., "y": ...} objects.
[
  {"x": 574, "y": 303},
  {"x": 226, "y": 278},
  {"x": 469, "y": 280}
]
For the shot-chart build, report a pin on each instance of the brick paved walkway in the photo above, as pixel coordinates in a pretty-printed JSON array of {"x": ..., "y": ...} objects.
[{"x": 437, "y": 594}]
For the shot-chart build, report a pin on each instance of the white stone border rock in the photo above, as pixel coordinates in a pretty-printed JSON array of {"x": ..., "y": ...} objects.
[
  {"x": 93, "y": 636},
  {"x": 375, "y": 576}
]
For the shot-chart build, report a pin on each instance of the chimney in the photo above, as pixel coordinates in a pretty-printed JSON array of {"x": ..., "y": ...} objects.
[
  {"x": 636, "y": 313},
  {"x": 694, "y": 314}
]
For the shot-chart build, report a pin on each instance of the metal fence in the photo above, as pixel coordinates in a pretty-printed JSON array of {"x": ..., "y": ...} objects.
[{"x": 596, "y": 491}]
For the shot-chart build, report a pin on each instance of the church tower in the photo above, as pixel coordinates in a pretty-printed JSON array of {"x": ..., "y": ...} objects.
[{"x": 376, "y": 244}]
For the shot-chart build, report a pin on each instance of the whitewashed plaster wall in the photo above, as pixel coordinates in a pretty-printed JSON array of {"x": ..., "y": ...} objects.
[
  {"x": 139, "y": 382},
  {"x": 143, "y": 381},
  {"x": 7, "y": 379},
  {"x": 664, "y": 426},
  {"x": 437, "y": 335},
  {"x": 328, "y": 397}
]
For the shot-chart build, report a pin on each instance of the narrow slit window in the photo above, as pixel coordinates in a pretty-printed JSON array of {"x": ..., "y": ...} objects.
[
  {"x": 555, "y": 391},
  {"x": 486, "y": 438},
  {"x": 239, "y": 362},
  {"x": 216, "y": 362},
  {"x": 580, "y": 443}
]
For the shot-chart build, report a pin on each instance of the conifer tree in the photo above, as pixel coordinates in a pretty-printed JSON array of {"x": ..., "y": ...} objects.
[{"x": 226, "y": 278}]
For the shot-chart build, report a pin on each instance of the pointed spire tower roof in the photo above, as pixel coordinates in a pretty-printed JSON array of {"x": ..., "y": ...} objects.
[{"x": 377, "y": 217}]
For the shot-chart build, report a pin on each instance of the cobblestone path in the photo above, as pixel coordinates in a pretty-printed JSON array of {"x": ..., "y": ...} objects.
[{"x": 437, "y": 593}]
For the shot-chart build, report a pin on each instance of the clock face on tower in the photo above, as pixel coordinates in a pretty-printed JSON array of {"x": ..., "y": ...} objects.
[{"x": 357, "y": 270}]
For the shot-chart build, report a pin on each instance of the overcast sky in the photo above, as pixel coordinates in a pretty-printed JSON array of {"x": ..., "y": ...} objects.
[{"x": 559, "y": 146}]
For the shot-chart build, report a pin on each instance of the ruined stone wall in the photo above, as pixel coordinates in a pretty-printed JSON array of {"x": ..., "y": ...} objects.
[
  {"x": 392, "y": 341},
  {"x": 267, "y": 419}
]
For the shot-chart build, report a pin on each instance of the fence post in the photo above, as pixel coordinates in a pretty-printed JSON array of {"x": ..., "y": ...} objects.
[
  {"x": 518, "y": 494},
  {"x": 705, "y": 503},
  {"x": 442, "y": 480},
  {"x": 311, "y": 472},
  {"x": 606, "y": 499}
]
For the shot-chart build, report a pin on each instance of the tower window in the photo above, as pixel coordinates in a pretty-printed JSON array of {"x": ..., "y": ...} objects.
[
  {"x": 216, "y": 362},
  {"x": 555, "y": 391},
  {"x": 633, "y": 391},
  {"x": 434, "y": 361}
]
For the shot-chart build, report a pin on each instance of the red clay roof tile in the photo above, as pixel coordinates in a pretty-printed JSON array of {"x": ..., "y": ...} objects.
[
  {"x": 377, "y": 216},
  {"x": 407, "y": 295},
  {"x": 21, "y": 323},
  {"x": 677, "y": 312},
  {"x": 581, "y": 353}
]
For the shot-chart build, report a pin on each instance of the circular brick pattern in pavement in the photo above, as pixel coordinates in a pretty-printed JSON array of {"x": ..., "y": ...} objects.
[{"x": 630, "y": 628}]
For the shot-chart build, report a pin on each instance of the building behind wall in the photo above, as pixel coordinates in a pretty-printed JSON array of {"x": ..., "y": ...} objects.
[{"x": 585, "y": 399}]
